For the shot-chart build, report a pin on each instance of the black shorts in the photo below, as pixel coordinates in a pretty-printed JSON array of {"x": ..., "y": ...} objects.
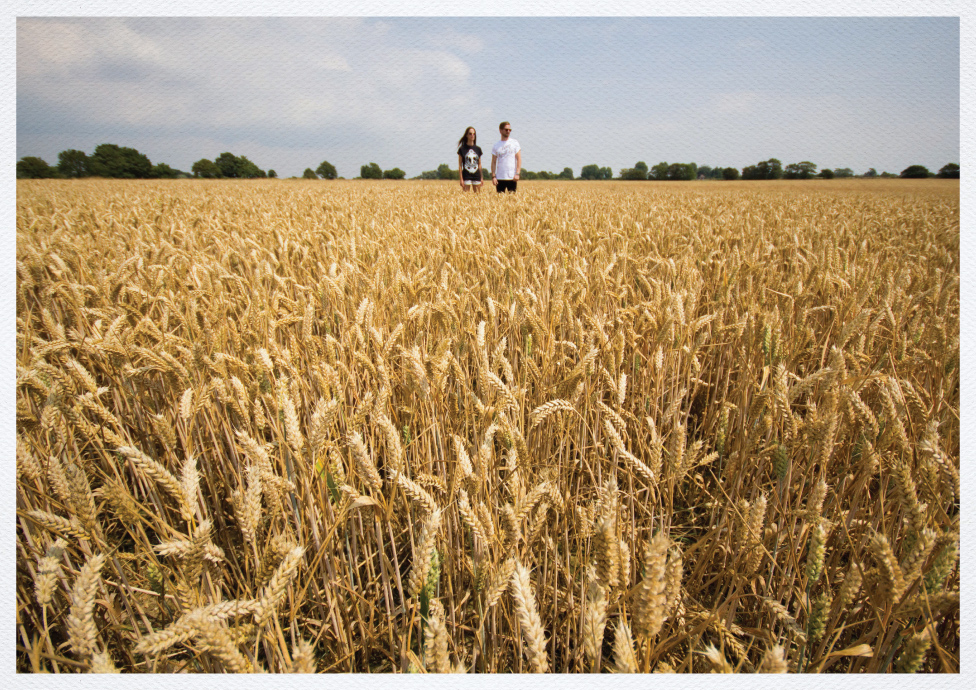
[{"x": 506, "y": 185}]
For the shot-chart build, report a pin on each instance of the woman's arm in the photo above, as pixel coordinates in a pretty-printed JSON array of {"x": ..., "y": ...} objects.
[{"x": 460, "y": 176}]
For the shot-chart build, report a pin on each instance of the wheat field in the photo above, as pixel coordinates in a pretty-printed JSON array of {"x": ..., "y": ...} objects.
[{"x": 387, "y": 427}]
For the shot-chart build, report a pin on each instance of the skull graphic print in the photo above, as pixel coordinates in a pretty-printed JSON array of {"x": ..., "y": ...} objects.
[{"x": 471, "y": 162}]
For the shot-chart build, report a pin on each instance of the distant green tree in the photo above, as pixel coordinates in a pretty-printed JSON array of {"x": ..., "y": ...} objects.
[
  {"x": 309, "y": 174},
  {"x": 34, "y": 168},
  {"x": 237, "y": 166},
  {"x": 228, "y": 164},
  {"x": 589, "y": 172},
  {"x": 915, "y": 171},
  {"x": 206, "y": 168},
  {"x": 110, "y": 160},
  {"x": 394, "y": 174},
  {"x": 486, "y": 174},
  {"x": 730, "y": 173},
  {"x": 709, "y": 173},
  {"x": 770, "y": 169},
  {"x": 871, "y": 173},
  {"x": 528, "y": 175},
  {"x": 887, "y": 175},
  {"x": 326, "y": 171},
  {"x": 659, "y": 171},
  {"x": 638, "y": 172},
  {"x": 595, "y": 172},
  {"x": 163, "y": 171},
  {"x": 272, "y": 174},
  {"x": 446, "y": 172},
  {"x": 803, "y": 170},
  {"x": 773, "y": 169},
  {"x": 73, "y": 163},
  {"x": 682, "y": 171},
  {"x": 432, "y": 175},
  {"x": 843, "y": 172},
  {"x": 246, "y": 169},
  {"x": 826, "y": 174},
  {"x": 949, "y": 171},
  {"x": 371, "y": 172},
  {"x": 566, "y": 174}
]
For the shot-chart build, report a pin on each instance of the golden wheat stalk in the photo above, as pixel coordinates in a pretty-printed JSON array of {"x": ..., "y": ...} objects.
[
  {"x": 81, "y": 622},
  {"x": 594, "y": 622},
  {"x": 274, "y": 591},
  {"x": 155, "y": 471},
  {"x": 651, "y": 605},
  {"x": 424, "y": 554},
  {"x": 624, "y": 660},
  {"x": 416, "y": 493},
  {"x": 528, "y": 615}
]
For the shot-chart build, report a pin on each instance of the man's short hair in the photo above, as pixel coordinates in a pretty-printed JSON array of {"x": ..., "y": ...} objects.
[{"x": 503, "y": 124}]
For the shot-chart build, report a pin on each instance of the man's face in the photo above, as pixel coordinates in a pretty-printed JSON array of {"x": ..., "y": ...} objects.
[{"x": 505, "y": 131}]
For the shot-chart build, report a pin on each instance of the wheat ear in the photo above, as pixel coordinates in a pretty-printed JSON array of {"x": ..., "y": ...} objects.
[
  {"x": 435, "y": 639},
  {"x": 274, "y": 591},
  {"x": 528, "y": 614},
  {"x": 81, "y": 620},
  {"x": 624, "y": 660},
  {"x": 594, "y": 623},
  {"x": 650, "y": 608}
]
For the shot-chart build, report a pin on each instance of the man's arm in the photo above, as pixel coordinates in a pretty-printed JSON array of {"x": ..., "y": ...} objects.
[{"x": 518, "y": 164}]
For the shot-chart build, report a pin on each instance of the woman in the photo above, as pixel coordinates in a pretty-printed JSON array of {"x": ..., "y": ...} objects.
[{"x": 469, "y": 161}]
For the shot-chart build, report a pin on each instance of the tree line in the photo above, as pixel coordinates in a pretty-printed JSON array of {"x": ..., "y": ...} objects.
[
  {"x": 122, "y": 162},
  {"x": 771, "y": 169},
  {"x": 113, "y": 161}
]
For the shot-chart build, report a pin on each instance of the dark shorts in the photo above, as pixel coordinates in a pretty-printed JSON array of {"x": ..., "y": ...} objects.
[{"x": 506, "y": 186}]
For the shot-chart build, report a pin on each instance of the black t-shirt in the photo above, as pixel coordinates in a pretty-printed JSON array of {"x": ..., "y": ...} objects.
[{"x": 470, "y": 161}]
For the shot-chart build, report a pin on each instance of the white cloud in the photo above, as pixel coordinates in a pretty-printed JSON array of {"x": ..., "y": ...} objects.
[
  {"x": 236, "y": 72},
  {"x": 43, "y": 49}
]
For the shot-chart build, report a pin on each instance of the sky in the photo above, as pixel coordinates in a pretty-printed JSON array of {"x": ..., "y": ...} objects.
[{"x": 291, "y": 92}]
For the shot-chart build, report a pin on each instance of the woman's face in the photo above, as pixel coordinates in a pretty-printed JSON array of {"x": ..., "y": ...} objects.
[{"x": 470, "y": 134}]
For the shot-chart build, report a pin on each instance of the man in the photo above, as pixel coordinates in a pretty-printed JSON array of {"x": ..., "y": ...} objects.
[{"x": 506, "y": 161}]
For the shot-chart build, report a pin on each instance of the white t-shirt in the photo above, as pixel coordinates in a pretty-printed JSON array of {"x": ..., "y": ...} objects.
[{"x": 505, "y": 152}]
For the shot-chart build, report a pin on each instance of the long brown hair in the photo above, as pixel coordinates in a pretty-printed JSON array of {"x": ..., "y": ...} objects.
[{"x": 464, "y": 137}]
